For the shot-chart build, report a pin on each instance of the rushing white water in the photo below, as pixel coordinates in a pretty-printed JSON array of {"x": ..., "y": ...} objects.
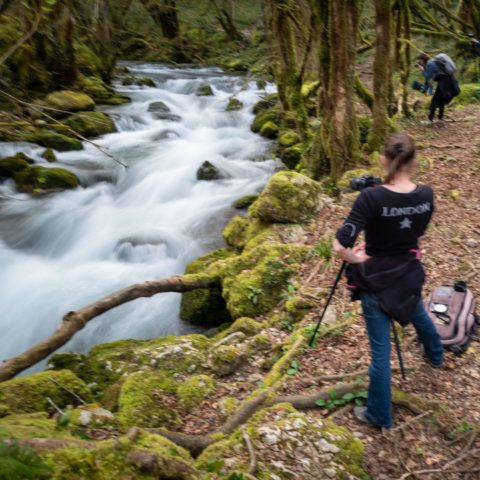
[{"x": 62, "y": 251}]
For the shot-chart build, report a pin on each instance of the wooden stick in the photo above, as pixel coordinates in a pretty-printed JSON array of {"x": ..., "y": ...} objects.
[{"x": 252, "y": 468}]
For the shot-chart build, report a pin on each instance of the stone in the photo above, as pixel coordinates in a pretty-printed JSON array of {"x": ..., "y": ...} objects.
[
  {"x": 204, "y": 90},
  {"x": 269, "y": 130},
  {"x": 69, "y": 101},
  {"x": 226, "y": 359},
  {"x": 208, "y": 171},
  {"x": 161, "y": 111},
  {"x": 41, "y": 179},
  {"x": 10, "y": 166},
  {"x": 49, "y": 155},
  {"x": 244, "y": 202},
  {"x": 91, "y": 124},
  {"x": 234, "y": 104}
]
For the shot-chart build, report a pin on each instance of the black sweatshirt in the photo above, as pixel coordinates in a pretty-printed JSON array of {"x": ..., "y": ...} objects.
[{"x": 392, "y": 221}]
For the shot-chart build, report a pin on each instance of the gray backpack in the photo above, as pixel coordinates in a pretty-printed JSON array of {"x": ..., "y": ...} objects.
[
  {"x": 452, "y": 309},
  {"x": 446, "y": 63}
]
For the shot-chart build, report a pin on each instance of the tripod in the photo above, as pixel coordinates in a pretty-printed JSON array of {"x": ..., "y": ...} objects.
[{"x": 330, "y": 296}]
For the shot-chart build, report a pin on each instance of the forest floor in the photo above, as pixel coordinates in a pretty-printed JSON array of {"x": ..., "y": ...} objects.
[
  {"x": 441, "y": 440},
  {"x": 449, "y": 160}
]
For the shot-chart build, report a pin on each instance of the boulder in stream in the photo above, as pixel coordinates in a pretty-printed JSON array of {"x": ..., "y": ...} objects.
[
  {"x": 91, "y": 124},
  {"x": 9, "y": 166},
  {"x": 65, "y": 101},
  {"x": 162, "y": 112},
  {"x": 49, "y": 155},
  {"x": 234, "y": 104},
  {"x": 204, "y": 90},
  {"x": 208, "y": 171},
  {"x": 139, "y": 81},
  {"x": 41, "y": 179}
]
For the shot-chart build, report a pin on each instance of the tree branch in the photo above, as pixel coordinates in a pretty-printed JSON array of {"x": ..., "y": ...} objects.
[{"x": 74, "y": 321}]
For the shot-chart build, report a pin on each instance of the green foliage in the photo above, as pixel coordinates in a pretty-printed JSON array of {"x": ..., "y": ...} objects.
[
  {"x": 324, "y": 248},
  {"x": 334, "y": 401},
  {"x": 294, "y": 368},
  {"x": 462, "y": 427},
  {"x": 254, "y": 294},
  {"x": 19, "y": 462}
]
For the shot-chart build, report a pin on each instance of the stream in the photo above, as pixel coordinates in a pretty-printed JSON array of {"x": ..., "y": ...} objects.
[{"x": 62, "y": 251}]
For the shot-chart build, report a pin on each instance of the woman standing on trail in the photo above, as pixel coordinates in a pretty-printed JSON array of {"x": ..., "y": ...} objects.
[{"x": 386, "y": 269}]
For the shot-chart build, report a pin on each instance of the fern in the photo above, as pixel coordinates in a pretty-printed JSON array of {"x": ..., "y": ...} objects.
[{"x": 20, "y": 463}]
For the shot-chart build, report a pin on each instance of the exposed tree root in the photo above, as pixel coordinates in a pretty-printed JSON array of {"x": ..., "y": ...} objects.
[{"x": 74, "y": 321}]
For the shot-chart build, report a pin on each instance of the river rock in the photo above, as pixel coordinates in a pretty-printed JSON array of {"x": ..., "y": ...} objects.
[
  {"x": 40, "y": 179},
  {"x": 244, "y": 202},
  {"x": 234, "y": 104},
  {"x": 204, "y": 90},
  {"x": 140, "y": 81},
  {"x": 288, "y": 197},
  {"x": 10, "y": 166},
  {"x": 162, "y": 112},
  {"x": 49, "y": 155},
  {"x": 208, "y": 171},
  {"x": 91, "y": 124},
  {"x": 66, "y": 101}
]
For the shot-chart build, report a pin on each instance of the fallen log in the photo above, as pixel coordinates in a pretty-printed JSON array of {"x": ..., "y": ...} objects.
[{"x": 74, "y": 321}]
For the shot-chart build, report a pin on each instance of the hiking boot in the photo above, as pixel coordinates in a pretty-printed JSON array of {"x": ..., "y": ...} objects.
[
  {"x": 432, "y": 364},
  {"x": 360, "y": 413},
  {"x": 427, "y": 123}
]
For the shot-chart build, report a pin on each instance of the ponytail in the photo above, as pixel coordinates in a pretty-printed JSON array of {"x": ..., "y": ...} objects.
[{"x": 399, "y": 150}]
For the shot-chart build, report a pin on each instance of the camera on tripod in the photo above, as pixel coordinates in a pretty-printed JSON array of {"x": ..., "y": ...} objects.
[{"x": 365, "y": 181}]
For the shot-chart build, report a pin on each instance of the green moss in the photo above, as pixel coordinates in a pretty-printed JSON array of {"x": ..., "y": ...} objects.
[
  {"x": 193, "y": 391},
  {"x": 88, "y": 63},
  {"x": 29, "y": 393},
  {"x": 298, "y": 307},
  {"x": 73, "y": 361},
  {"x": 69, "y": 101},
  {"x": 32, "y": 425},
  {"x": 288, "y": 139},
  {"x": 310, "y": 88},
  {"x": 57, "y": 141},
  {"x": 204, "y": 91},
  {"x": 265, "y": 103},
  {"x": 92, "y": 416},
  {"x": 35, "y": 179},
  {"x": 49, "y": 155},
  {"x": 245, "y": 325},
  {"x": 235, "y": 232},
  {"x": 4, "y": 410},
  {"x": 470, "y": 94},
  {"x": 292, "y": 156},
  {"x": 140, "y": 81},
  {"x": 227, "y": 406},
  {"x": 364, "y": 124},
  {"x": 235, "y": 65},
  {"x": 91, "y": 124},
  {"x": 205, "y": 306},
  {"x": 289, "y": 197},
  {"x": 176, "y": 355},
  {"x": 269, "y": 130},
  {"x": 145, "y": 398},
  {"x": 244, "y": 202},
  {"x": 11, "y": 165},
  {"x": 234, "y": 104},
  {"x": 226, "y": 359},
  {"x": 102, "y": 93},
  {"x": 261, "y": 119},
  {"x": 260, "y": 342}
]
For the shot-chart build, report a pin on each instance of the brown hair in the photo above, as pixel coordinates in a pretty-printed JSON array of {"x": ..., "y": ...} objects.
[
  {"x": 423, "y": 58},
  {"x": 399, "y": 150}
]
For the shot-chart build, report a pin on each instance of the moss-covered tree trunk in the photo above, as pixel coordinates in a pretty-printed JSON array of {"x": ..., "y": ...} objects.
[
  {"x": 404, "y": 50},
  {"x": 164, "y": 14},
  {"x": 338, "y": 138},
  {"x": 381, "y": 74}
]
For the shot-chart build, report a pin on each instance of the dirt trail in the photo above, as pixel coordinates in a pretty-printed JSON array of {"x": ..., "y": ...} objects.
[{"x": 449, "y": 160}]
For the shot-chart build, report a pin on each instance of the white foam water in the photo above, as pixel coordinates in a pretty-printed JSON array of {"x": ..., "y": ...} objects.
[{"x": 63, "y": 251}]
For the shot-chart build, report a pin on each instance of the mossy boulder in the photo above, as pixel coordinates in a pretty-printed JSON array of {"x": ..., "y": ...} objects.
[
  {"x": 96, "y": 88},
  {"x": 470, "y": 93},
  {"x": 29, "y": 393},
  {"x": 288, "y": 139},
  {"x": 265, "y": 103},
  {"x": 204, "y": 90},
  {"x": 69, "y": 101},
  {"x": 246, "y": 325},
  {"x": 93, "y": 416},
  {"x": 235, "y": 232},
  {"x": 57, "y": 141},
  {"x": 208, "y": 171},
  {"x": 234, "y": 104},
  {"x": 146, "y": 400},
  {"x": 32, "y": 425},
  {"x": 91, "y": 124},
  {"x": 288, "y": 197},
  {"x": 73, "y": 361},
  {"x": 161, "y": 111},
  {"x": 292, "y": 156},
  {"x": 226, "y": 359},
  {"x": 244, "y": 202},
  {"x": 195, "y": 390},
  {"x": 110, "y": 362},
  {"x": 261, "y": 119},
  {"x": 10, "y": 166},
  {"x": 88, "y": 62},
  {"x": 269, "y": 130},
  {"x": 42, "y": 179},
  {"x": 235, "y": 65},
  {"x": 297, "y": 307},
  {"x": 49, "y": 155},
  {"x": 139, "y": 81},
  {"x": 256, "y": 282},
  {"x": 278, "y": 435},
  {"x": 205, "y": 306}
]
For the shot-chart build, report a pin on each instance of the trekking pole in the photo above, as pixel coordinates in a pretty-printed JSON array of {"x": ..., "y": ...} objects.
[
  {"x": 399, "y": 352},
  {"x": 332, "y": 291}
]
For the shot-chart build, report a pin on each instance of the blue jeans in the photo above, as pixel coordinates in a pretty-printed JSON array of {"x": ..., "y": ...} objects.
[{"x": 379, "y": 404}]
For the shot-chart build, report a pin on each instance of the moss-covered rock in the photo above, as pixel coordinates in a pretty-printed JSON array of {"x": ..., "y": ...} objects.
[
  {"x": 470, "y": 93},
  {"x": 101, "y": 92},
  {"x": 208, "y": 171},
  {"x": 297, "y": 307},
  {"x": 246, "y": 325},
  {"x": 244, "y": 202},
  {"x": 91, "y": 124},
  {"x": 292, "y": 156},
  {"x": 194, "y": 390},
  {"x": 235, "y": 65},
  {"x": 265, "y": 103},
  {"x": 177, "y": 355},
  {"x": 161, "y": 111},
  {"x": 261, "y": 119},
  {"x": 92, "y": 416},
  {"x": 29, "y": 393},
  {"x": 88, "y": 62},
  {"x": 226, "y": 359},
  {"x": 278, "y": 435},
  {"x": 42, "y": 179},
  {"x": 235, "y": 232},
  {"x": 260, "y": 343},
  {"x": 49, "y": 155},
  {"x": 205, "y": 306},
  {"x": 32, "y": 425},
  {"x": 234, "y": 104},
  {"x": 288, "y": 139},
  {"x": 57, "y": 141},
  {"x": 269, "y": 130},
  {"x": 146, "y": 400},
  {"x": 289, "y": 197},
  {"x": 4, "y": 410},
  {"x": 204, "y": 90},
  {"x": 69, "y": 101},
  {"x": 139, "y": 81},
  {"x": 10, "y": 166},
  {"x": 73, "y": 361}
]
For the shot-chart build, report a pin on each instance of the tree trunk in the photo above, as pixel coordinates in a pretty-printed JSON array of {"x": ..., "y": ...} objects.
[
  {"x": 226, "y": 20},
  {"x": 4, "y": 4},
  {"x": 164, "y": 14},
  {"x": 338, "y": 138},
  {"x": 75, "y": 321},
  {"x": 381, "y": 74}
]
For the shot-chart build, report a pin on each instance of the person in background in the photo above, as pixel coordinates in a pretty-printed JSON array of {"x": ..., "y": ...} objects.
[
  {"x": 475, "y": 42},
  {"x": 394, "y": 216}
]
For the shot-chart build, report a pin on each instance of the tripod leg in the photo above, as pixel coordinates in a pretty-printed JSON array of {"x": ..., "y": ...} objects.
[{"x": 399, "y": 352}]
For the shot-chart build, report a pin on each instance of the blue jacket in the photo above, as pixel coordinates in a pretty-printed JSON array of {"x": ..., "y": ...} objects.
[{"x": 432, "y": 70}]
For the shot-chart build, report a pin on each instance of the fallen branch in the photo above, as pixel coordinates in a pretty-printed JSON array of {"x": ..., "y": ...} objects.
[
  {"x": 412, "y": 420},
  {"x": 438, "y": 470},
  {"x": 252, "y": 468},
  {"x": 74, "y": 321},
  {"x": 71, "y": 392},
  {"x": 358, "y": 373}
]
